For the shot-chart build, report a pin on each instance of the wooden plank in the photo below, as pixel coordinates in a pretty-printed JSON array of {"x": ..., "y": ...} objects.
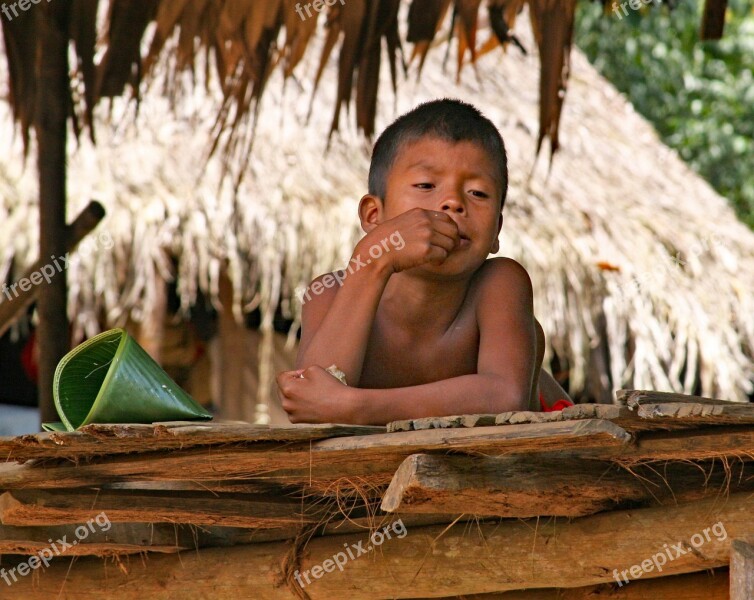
[
  {"x": 120, "y": 538},
  {"x": 703, "y": 414},
  {"x": 59, "y": 507},
  {"x": 693, "y": 444},
  {"x": 742, "y": 569},
  {"x": 328, "y": 460},
  {"x": 442, "y": 422},
  {"x": 634, "y": 398},
  {"x": 641, "y": 416},
  {"x": 521, "y": 438},
  {"x": 521, "y": 487},
  {"x": 111, "y": 439},
  {"x": 618, "y": 414},
  {"x": 437, "y": 561},
  {"x": 694, "y": 586},
  {"x": 610, "y": 412},
  {"x": 135, "y": 538},
  {"x": 508, "y": 487}
]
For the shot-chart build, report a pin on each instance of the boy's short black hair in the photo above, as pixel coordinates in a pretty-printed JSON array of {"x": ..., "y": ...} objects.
[{"x": 447, "y": 119}]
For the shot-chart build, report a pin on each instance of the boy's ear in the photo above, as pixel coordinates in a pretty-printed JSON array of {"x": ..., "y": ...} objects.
[
  {"x": 370, "y": 212},
  {"x": 496, "y": 243}
]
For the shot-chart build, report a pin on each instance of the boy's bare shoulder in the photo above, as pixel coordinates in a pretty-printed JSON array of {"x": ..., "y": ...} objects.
[{"x": 502, "y": 278}]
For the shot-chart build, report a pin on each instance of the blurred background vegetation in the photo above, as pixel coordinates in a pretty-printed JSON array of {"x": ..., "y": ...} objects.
[{"x": 698, "y": 95}]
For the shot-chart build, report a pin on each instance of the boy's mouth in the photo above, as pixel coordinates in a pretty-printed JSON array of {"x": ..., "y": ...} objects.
[{"x": 464, "y": 240}]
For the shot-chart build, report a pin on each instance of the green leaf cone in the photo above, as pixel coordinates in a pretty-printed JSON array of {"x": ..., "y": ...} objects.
[{"x": 111, "y": 379}]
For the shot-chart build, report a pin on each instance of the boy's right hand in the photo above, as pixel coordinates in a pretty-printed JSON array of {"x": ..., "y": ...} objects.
[{"x": 414, "y": 238}]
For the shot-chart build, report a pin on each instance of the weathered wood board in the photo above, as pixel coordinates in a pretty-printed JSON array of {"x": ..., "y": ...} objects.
[
  {"x": 376, "y": 456},
  {"x": 103, "y": 439},
  {"x": 436, "y": 561},
  {"x": 520, "y": 487},
  {"x": 742, "y": 569}
]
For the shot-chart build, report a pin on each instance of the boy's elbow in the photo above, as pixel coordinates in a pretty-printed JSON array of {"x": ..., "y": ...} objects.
[{"x": 508, "y": 396}]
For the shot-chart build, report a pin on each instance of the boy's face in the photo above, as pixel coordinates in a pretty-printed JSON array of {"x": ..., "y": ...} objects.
[{"x": 459, "y": 179}]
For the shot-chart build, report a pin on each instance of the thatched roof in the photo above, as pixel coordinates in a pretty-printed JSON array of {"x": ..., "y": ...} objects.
[
  {"x": 619, "y": 229},
  {"x": 244, "y": 41}
]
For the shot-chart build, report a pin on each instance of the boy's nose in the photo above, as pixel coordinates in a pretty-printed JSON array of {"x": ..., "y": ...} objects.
[{"x": 453, "y": 205}]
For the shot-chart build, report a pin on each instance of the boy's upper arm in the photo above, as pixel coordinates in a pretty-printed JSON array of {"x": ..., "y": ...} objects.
[
  {"x": 314, "y": 309},
  {"x": 505, "y": 314}
]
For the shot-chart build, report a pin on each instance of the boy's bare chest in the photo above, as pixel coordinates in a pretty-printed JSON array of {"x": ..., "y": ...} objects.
[{"x": 395, "y": 358}]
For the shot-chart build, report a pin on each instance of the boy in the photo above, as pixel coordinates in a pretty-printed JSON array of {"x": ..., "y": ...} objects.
[{"x": 423, "y": 323}]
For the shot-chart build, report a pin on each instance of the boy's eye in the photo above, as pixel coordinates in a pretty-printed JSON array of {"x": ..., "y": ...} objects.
[
  {"x": 424, "y": 186},
  {"x": 479, "y": 194}
]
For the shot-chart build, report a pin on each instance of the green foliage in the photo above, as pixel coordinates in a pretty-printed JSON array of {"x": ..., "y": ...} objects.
[{"x": 698, "y": 95}]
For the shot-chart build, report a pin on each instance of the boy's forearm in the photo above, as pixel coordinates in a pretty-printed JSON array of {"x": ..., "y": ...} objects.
[
  {"x": 342, "y": 337},
  {"x": 467, "y": 394}
]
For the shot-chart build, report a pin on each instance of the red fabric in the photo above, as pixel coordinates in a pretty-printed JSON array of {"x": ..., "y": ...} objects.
[
  {"x": 559, "y": 405},
  {"x": 29, "y": 360}
]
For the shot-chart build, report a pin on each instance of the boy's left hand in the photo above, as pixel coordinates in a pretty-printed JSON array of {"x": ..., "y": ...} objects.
[{"x": 312, "y": 395}]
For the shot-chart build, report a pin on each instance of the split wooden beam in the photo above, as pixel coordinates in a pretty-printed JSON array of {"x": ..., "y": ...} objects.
[
  {"x": 425, "y": 562},
  {"x": 521, "y": 487}
]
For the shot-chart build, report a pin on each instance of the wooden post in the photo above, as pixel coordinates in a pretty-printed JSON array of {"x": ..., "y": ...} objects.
[
  {"x": 713, "y": 19},
  {"x": 742, "y": 569},
  {"x": 50, "y": 121},
  {"x": 234, "y": 361},
  {"x": 151, "y": 331}
]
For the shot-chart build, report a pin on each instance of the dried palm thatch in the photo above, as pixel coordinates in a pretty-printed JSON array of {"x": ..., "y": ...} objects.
[
  {"x": 599, "y": 232},
  {"x": 244, "y": 41}
]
